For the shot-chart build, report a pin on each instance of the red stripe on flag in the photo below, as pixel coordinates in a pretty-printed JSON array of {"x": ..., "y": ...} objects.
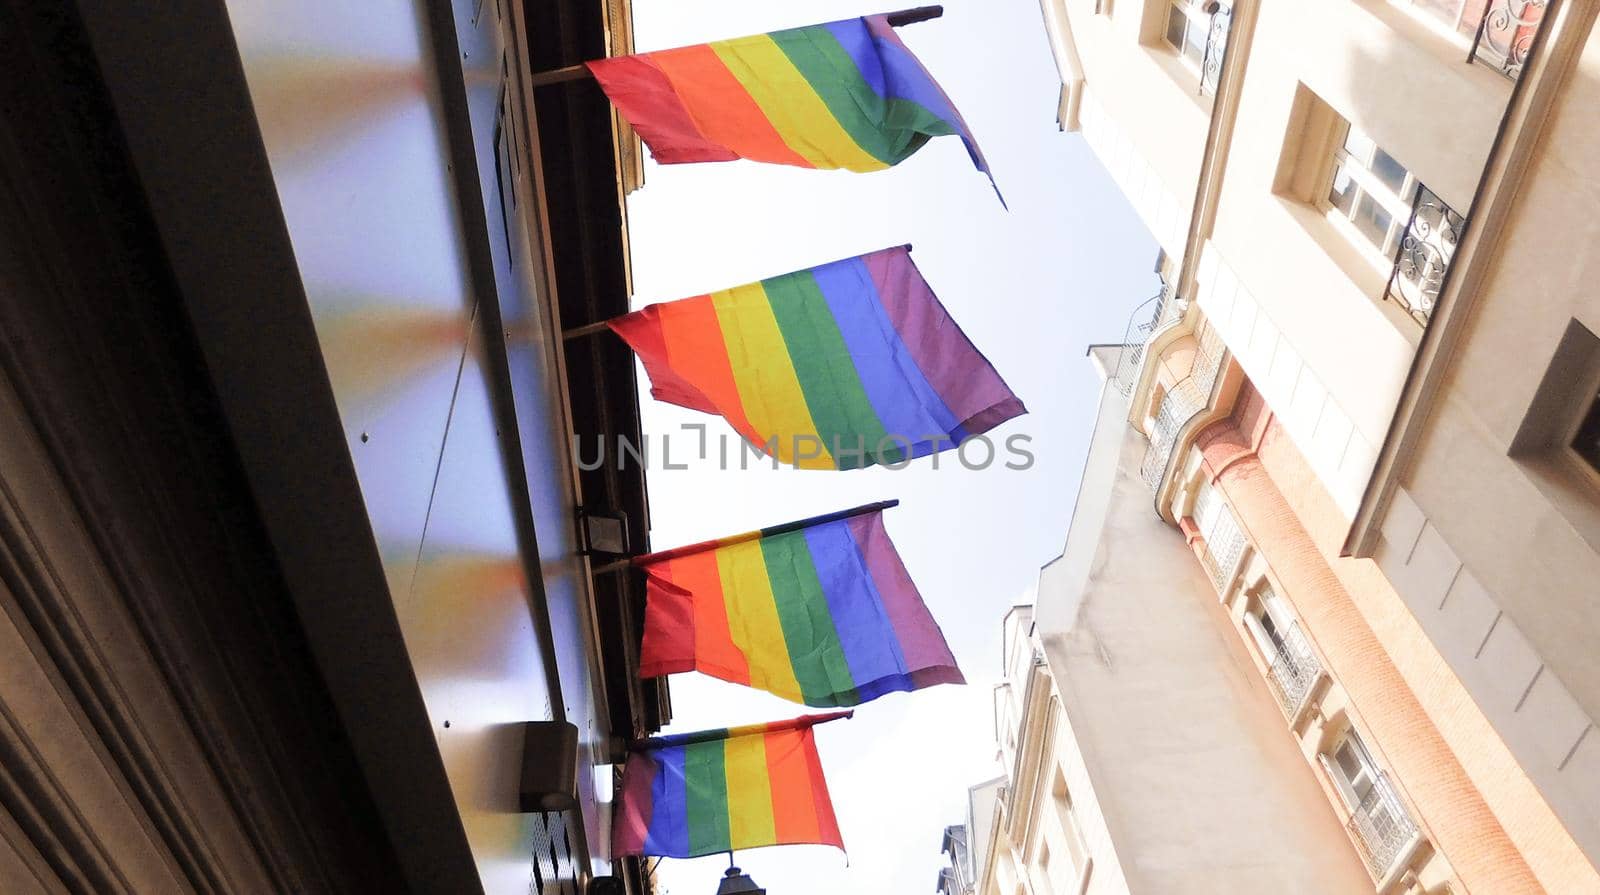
[
  {"x": 669, "y": 626},
  {"x": 827, "y": 824},
  {"x": 643, "y": 332},
  {"x": 714, "y": 650},
  {"x": 644, "y": 96}
]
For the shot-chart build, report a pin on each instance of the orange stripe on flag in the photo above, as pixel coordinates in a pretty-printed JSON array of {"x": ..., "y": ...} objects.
[
  {"x": 697, "y": 353},
  {"x": 721, "y": 108},
  {"x": 714, "y": 647},
  {"x": 794, "y": 807}
]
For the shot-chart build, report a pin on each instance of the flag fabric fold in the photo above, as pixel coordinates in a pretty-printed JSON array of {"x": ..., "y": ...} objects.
[
  {"x": 825, "y": 615},
  {"x": 722, "y": 790},
  {"x": 846, "y": 94},
  {"x": 840, "y": 366}
]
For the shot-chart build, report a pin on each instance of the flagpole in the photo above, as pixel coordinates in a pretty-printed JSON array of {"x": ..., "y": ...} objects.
[
  {"x": 580, "y": 71},
  {"x": 785, "y": 528},
  {"x": 588, "y": 329}
]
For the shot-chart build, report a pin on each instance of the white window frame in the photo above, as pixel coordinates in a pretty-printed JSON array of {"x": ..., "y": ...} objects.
[
  {"x": 1269, "y": 605},
  {"x": 1197, "y": 19},
  {"x": 1367, "y": 184}
]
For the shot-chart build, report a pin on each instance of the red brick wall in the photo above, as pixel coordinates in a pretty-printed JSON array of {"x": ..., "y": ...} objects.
[{"x": 1297, "y": 529}]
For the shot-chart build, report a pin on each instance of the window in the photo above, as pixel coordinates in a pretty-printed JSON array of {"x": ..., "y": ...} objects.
[
  {"x": 1188, "y": 26},
  {"x": 1272, "y": 621},
  {"x": 1371, "y": 191},
  {"x": 1357, "y": 774},
  {"x": 1381, "y": 826},
  {"x": 1223, "y": 540},
  {"x": 1069, "y": 822},
  {"x": 1398, "y": 221},
  {"x": 1500, "y": 32},
  {"x": 1586, "y": 440}
]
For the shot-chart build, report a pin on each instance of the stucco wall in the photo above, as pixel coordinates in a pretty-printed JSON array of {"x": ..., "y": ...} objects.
[
  {"x": 1174, "y": 732},
  {"x": 1481, "y": 512}
]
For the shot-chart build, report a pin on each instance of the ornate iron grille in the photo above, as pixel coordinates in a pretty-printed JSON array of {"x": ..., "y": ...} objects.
[
  {"x": 1381, "y": 827},
  {"x": 1423, "y": 254},
  {"x": 1179, "y": 406},
  {"x": 1294, "y": 670},
  {"x": 1223, "y": 550},
  {"x": 1216, "y": 50},
  {"x": 1505, "y": 34}
]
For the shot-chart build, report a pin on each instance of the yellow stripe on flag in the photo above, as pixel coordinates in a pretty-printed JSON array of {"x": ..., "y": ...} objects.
[
  {"x": 753, "y": 619},
  {"x": 789, "y": 102},
  {"x": 750, "y": 820},
  {"x": 768, "y": 387}
]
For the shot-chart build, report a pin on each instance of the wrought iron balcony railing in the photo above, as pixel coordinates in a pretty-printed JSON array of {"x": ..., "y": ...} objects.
[
  {"x": 1294, "y": 671},
  {"x": 1505, "y": 34},
  {"x": 1181, "y": 404},
  {"x": 1216, "y": 48},
  {"x": 1223, "y": 549},
  {"x": 1381, "y": 827},
  {"x": 1423, "y": 254},
  {"x": 1142, "y": 324}
]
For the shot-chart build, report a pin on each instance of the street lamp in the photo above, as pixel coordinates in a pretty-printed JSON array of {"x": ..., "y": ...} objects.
[{"x": 734, "y": 882}]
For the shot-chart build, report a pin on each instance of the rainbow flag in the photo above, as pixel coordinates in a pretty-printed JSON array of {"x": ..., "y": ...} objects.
[
  {"x": 848, "y": 94},
  {"x": 824, "y": 614},
  {"x": 721, "y": 790},
  {"x": 837, "y": 367}
]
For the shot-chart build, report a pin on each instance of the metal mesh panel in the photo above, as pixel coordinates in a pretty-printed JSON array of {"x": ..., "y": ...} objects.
[{"x": 555, "y": 872}]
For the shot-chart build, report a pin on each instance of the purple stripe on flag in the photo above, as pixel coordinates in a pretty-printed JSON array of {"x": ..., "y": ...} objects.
[
  {"x": 905, "y": 402},
  {"x": 669, "y": 823},
  {"x": 866, "y": 633},
  {"x": 963, "y": 377},
  {"x": 922, "y": 644},
  {"x": 631, "y": 825}
]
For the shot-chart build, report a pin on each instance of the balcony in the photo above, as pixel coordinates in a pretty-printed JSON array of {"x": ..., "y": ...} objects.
[
  {"x": 1142, "y": 325},
  {"x": 1181, "y": 404},
  {"x": 1294, "y": 671},
  {"x": 1381, "y": 828},
  {"x": 1423, "y": 254},
  {"x": 1505, "y": 34}
]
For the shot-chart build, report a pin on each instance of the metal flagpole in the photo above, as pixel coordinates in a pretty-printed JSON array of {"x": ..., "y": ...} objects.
[{"x": 702, "y": 546}]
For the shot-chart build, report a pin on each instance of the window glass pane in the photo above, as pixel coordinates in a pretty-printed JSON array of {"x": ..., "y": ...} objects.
[
  {"x": 1389, "y": 171},
  {"x": 1587, "y": 441},
  {"x": 1359, "y": 145},
  {"x": 1195, "y": 43},
  {"x": 1176, "y": 21},
  {"x": 1349, "y": 762},
  {"x": 1343, "y": 193},
  {"x": 1372, "y": 220}
]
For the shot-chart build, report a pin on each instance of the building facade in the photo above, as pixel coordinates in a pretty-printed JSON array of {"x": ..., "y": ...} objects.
[
  {"x": 1367, "y": 393},
  {"x": 296, "y": 585},
  {"x": 1139, "y": 754}
]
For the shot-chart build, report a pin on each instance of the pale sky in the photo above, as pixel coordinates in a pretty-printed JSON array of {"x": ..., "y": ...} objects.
[{"x": 1032, "y": 288}]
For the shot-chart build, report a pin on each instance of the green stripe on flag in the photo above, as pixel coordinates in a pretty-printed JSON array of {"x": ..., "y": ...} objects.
[
  {"x": 834, "y": 394},
  {"x": 706, "y": 785},
  {"x": 808, "y": 628},
  {"x": 890, "y": 130}
]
